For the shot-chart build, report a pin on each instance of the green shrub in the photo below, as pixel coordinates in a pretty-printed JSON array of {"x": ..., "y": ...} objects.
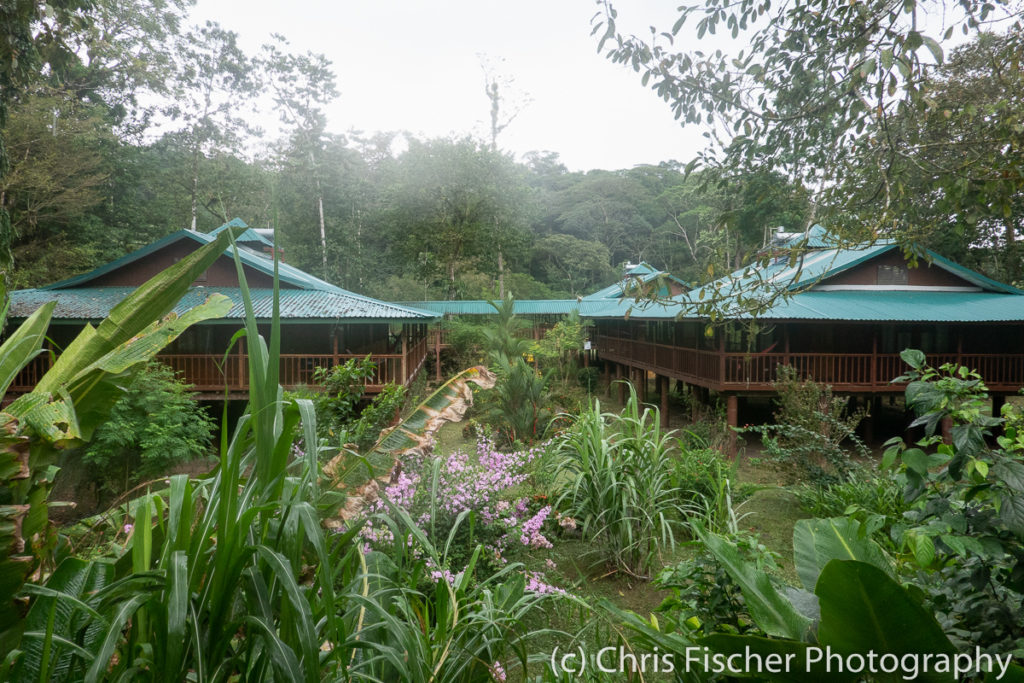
[
  {"x": 811, "y": 429},
  {"x": 962, "y": 536},
  {"x": 155, "y": 425},
  {"x": 701, "y": 588},
  {"x": 863, "y": 494},
  {"x": 378, "y": 415},
  {"x": 562, "y": 344},
  {"x": 343, "y": 387},
  {"x": 467, "y": 342},
  {"x": 702, "y": 477}
]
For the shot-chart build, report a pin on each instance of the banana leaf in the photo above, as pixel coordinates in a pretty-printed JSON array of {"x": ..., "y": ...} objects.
[
  {"x": 72, "y": 398},
  {"x": 414, "y": 435},
  {"x": 23, "y": 345},
  {"x": 149, "y": 303}
]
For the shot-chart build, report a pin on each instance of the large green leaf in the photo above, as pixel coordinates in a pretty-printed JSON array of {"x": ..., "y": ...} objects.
[
  {"x": 149, "y": 303},
  {"x": 787, "y": 659},
  {"x": 769, "y": 608},
  {"x": 447, "y": 404},
  {"x": 864, "y": 610},
  {"x": 23, "y": 344},
  {"x": 818, "y": 541},
  {"x": 85, "y": 376},
  {"x": 62, "y": 609}
]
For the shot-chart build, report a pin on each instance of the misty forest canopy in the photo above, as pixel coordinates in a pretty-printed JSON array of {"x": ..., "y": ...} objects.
[
  {"x": 901, "y": 117},
  {"x": 122, "y": 123}
]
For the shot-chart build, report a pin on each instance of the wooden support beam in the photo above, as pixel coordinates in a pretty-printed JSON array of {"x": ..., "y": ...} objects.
[
  {"x": 721, "y": 355},
  {"x": 437, "y": 352},
  {"x": 664, "y": 401},
  {"x": 732, "y": 418},
  {"x": 947, "y": 430},
  {"x": 997, "y": 404},
  {"x": 405, "y": 352}
]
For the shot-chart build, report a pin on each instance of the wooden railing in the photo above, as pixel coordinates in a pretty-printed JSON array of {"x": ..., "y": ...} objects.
[
  {"x": 211, "y": 373},
  {"x": 757, "y": 371}
]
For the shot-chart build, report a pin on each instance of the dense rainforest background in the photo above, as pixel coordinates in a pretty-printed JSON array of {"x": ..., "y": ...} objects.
[{"x": 140, "y": 125}]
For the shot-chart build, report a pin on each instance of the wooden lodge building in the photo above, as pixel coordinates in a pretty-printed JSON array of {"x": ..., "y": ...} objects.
[
  {"x": 845, "y": 316},
  {"x": 840, "y": 316},
  {"x": 321, "y": 324}
]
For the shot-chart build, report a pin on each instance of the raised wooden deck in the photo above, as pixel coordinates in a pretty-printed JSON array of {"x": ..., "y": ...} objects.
[
  {"x": 211, "y": 374},
  {"x": 754, "y": 372}
]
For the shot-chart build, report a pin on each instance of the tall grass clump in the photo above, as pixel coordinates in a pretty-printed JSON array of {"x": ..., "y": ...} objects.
[
  {"x": 225, "y": 577},
  {"x": 618, "y": 484},
  {"x": 233, "y": 577}
]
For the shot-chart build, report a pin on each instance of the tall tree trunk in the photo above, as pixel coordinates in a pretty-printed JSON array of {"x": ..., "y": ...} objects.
[
  {"x": 501, "y": 275},
  {"x": 195, "y": 187},
  {"x": 320, "y": 208},
  {"x": 1012, "y": 258},
  {"x": 323, "y": 231}
]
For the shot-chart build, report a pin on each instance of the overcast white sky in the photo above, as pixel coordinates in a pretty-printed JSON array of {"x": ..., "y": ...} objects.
[{"x": 413, "y": 65}]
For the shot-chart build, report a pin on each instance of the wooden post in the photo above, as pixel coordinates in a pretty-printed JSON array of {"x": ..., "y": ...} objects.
[
  {"x": 874, "y": 404},
  {"x": 664, "y": 401},
  {"x": 732, "y": 416},
  {"x": 405, "y": 348},
  {"x": 721, "y": 356},
  {"x": 437, "y": 349},
  {"x": 608, "y": 378},
  {"x": 874, "y": 356},
  {"x": 334, "y": 346},
  {"x": 997, "y": 404},
  {"x": 947, "y": 430},
  {"x": 959, "y": 345},
  {"x": 785, "y": 343},
  {"x": 536, "y": 338},
  {"x": 622, "y": 385}
]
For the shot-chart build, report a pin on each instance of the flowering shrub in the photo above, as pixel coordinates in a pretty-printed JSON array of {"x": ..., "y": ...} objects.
[{"x": 486, "y": 488}]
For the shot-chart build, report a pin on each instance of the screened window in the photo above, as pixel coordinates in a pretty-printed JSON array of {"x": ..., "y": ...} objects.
[{"x": 892, "y": 275}]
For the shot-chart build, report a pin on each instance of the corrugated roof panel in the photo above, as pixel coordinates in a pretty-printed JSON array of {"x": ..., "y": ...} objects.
[
  {"x": 854, "y": 305},
  {"x": 249, "y": 235},
  {"x": 522, "y": 306},
  {"x": 95, "y": 303},
  {"x": 643, "y": 272}
]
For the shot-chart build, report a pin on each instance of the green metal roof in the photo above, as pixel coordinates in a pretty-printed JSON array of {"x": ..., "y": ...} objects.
[
  {"x": 816, "y": 237},
  {"x": 521, "y": 306},
  {"x": 259, "y": 262},
  {"x": 643, "y": 273},
  {"x": 94, "y": 303},
  {"x": 248, "y": 236},
  {"x": 313, "y": 298},
  {"x": 854, "y": 305},
  {"x": 813, "y": 268}
]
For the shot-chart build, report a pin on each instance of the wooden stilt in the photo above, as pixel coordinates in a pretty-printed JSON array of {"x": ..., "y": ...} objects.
[
  {"x": 732, "y": 418},
  {"x": 664, "y": 401},
  {"x": 997, "y": 404},
  {"x": 437, "y": 355}
]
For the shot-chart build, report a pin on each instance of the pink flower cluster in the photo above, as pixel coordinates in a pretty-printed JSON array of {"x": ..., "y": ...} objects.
[
  {"x": 483, "y": 483},
  {"x": 479, "y": 483},
  {"x": 531, "y": 534},
  {"x": 535, "y": 584}
]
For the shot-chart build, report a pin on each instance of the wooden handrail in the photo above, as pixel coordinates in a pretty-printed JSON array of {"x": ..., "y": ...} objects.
[
  {"x": 739, "y": 371},
  {"x": 207, "y": 372}
]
